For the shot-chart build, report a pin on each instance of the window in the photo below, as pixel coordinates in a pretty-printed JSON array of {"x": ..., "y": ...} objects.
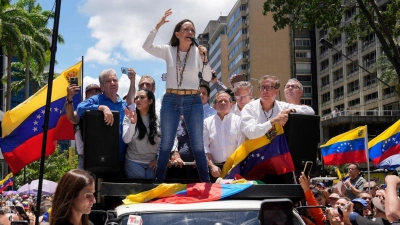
[
  {"x": 371, "y": 97},
  {"x": 326, "y": 97},
  {"x": 306, "y": 102},
  {"x": 303, "y": 78},
  {"x": 353, "y": 86},
  {"x": 324, "y": 81},
  {"x": 307, "y": 90},
  {"x": 337, "y": 75},
  {"x": 338, "y": 92},
  {"x": 354, "y": 103},
  {"x": 351, "y": 49},
  {"x": 302, "y": 42},
  {"x": 352, "y": 67},
  {"x": 369, "y": 79},
  {"x": 303, "y": 68},
  {"x": 324, "y": 65},
  {"x": 369, "y": 60},
  {"x": 337, "y": 57},
  {"x": 303, "y": 54},
  {"x": 322, "y": 49}
]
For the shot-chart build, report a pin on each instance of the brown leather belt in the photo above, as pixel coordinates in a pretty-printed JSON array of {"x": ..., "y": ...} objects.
[{"x": 181, "y": 92}]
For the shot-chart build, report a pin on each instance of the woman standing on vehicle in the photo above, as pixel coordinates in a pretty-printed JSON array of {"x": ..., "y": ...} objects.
[
  {"x": 141, "y": 132},
  {"x": 184, "y": 62},
  {"x": 73, "y": 199}
]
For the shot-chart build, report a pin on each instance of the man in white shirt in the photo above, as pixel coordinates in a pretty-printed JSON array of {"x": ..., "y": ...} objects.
[
  {"x": 243, "y": 91},
  {"x": 259, "y": 116},
  {"x": 221, "y": 133}
]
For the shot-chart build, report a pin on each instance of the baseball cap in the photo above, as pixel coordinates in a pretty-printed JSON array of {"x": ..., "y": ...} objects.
[
  {"x": 322, "y": 184},
  {"x": 378, "y": 204},
  {"x": 92, "y": 86},
  {"x": 361, "y": 201},
  {"x": 334, "y": 195}
]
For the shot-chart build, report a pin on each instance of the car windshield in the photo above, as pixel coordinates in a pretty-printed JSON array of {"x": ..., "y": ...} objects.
[{"x": 200, "y": 218}]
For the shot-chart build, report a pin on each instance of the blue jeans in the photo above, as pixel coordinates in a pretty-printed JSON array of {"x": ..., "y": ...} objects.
[
  {"x": 190, "y": 106},
  {"x": 135, "y": 170}
]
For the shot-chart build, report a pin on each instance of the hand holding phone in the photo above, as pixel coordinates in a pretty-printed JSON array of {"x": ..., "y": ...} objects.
[
  {"x": 125, "y": 70},
  {"x": 22, "y": 213},
  {"x": 73, "y": 80},
  {"x": 307, "y": 168}
]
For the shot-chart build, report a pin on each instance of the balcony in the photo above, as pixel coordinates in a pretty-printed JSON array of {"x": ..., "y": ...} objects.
[
  {"x": 353, "y": 92},
  {"x": 325, "y": 86},
  {"x": 390, "y": 95}
]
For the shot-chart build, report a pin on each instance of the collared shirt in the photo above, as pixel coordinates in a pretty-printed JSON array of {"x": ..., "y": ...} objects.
[
  {"x": 222, "y": 137},
  {"x": 208, "y": 111},
  {"x": 94, "y": 102},
  {"x": 255, "y": 122},
  {"x": 235, "y": 110}
]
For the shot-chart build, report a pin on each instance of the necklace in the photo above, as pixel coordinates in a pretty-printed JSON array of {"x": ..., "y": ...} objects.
[
  {"x": 272, "y": 111},
  {"x": 180, "y": 66}
]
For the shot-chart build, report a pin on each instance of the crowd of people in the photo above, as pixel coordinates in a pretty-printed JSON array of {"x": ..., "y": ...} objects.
[
  {"x": 157, "y": 135},
  {"x": 352, "y": 201}
]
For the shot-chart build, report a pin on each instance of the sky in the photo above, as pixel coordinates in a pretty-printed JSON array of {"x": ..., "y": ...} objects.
[{"x": 110, "y": 34}]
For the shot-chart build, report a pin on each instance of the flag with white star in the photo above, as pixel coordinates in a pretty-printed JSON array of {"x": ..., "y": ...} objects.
[
  {"x": 349, "y": 147},
  {"x": 22, "y": 127},
  {"x": 385, "y": 146},
  {"x": 258, "y": 157}
]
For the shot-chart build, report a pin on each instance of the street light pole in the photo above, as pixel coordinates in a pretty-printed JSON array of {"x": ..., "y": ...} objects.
[{"x": 330, "y": 46}]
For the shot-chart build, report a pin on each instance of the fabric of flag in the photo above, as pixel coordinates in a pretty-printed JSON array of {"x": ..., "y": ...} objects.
[
  {"x": 385, "y": 145},
  {"x": 349, "y": 147},
  {"x": 187, "y": 193},
  {"x": 22, "y": 127},
  {"x": 256, "y": 158},
  {"x": 7, "y": 181}
]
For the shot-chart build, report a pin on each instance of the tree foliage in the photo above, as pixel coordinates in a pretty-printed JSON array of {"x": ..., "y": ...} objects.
[
  {"x": 338, "y": 18},
  {"x": 55, "y": 166}
]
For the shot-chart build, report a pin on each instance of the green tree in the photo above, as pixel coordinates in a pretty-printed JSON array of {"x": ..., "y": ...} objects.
[
  {"x": 36, "y": 43},
  {"x": 14, "y": 20},
  {"x": 329, "y": 14},
  {"x": 56, "y": 165},
  {"x": 388, "y": 73}
]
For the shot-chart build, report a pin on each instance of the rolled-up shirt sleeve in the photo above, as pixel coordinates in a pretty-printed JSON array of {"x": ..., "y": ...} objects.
[
  {"x": 89, "y": 104},
  {"x": 250, "y": 126}
]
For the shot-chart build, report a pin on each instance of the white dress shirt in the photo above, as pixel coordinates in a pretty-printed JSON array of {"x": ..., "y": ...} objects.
[
  {"x": 255, "y": 123},
  {"x": 222, "y": 137},
  {"x": 235, "y": 110}
]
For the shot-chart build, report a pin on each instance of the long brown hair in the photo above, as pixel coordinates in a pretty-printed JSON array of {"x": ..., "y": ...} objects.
[
  {"x": 67, "y": 190},
  {"x": 174, "y": 40}
]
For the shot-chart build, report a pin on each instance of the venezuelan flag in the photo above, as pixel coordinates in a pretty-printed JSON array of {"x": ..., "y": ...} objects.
[
  {"x": 386, "y": 145},
  {"x": 22, "y": 127},
  {"x": 186, "y": 193},
  {"x": 256, "y": 158},
  {"x": 7, "y": 181},
  {"x": 349, "y": 147}
]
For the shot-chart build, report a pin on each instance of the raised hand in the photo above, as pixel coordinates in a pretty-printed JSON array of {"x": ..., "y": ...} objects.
[
  {"x": 131, "y": 115},
  {"x": 163, "y": 19}
]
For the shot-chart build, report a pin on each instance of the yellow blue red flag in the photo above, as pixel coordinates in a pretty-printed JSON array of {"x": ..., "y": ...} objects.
[
  {"x": 7, "y": 181},
  {"x": 268, "y": 154},
  {"x": 384, "y": 149},
  {"x": 22, "y": 127},
  {"x": 349, "y": 147}
]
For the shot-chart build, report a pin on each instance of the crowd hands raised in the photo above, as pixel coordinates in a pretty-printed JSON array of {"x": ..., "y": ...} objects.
[
  {"x": 351, "y": 201},
  {"x": 160, "y": 134}
]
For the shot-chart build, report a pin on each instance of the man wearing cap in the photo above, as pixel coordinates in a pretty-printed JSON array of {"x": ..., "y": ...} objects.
[
  {"x": 379, "y": 215},
  {"x": 333, "y": 198},
  {"x": 90, "y": 90},
  {"x": 360, "y": 206}
]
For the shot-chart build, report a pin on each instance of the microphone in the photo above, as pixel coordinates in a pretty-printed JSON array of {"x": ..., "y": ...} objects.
[{"x": 195, "y": 41}]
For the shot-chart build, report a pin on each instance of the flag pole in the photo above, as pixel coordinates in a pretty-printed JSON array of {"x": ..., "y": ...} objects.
[
  {"x": 53, "y": 51},
  {"x": 82, "y": 71},
  {"x": 367, "y": 155}
]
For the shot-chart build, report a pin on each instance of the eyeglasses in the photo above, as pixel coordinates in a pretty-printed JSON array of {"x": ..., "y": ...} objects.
[
  {"x": 140, "y": 97},
  {"x": 366, "y": 188},
  {"x": 238, "y": 97},
  {"x": 293, "y": 86},
  {"x": 266, "y": 88}
]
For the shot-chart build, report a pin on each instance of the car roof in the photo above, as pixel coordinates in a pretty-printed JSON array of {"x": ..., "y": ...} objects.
[{"x": 222, "y": 205}]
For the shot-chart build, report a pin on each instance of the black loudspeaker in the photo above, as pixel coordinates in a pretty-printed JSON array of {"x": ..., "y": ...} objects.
[
  {"x": 302, "y": 135},
  {"x": 101, "y": 143}
]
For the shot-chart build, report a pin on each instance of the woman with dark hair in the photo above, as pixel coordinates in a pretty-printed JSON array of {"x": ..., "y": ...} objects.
[
  {"x": 73, "y": 199},
  {"x": 142, "y": 134},
  {"x": 184, "y": 62}
]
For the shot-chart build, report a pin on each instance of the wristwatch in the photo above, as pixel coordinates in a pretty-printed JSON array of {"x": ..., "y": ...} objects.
[{"x": 68, "y": 101}]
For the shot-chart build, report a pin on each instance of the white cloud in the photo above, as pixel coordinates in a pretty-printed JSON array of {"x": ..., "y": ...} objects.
[{"x": 121, "y": 26}]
